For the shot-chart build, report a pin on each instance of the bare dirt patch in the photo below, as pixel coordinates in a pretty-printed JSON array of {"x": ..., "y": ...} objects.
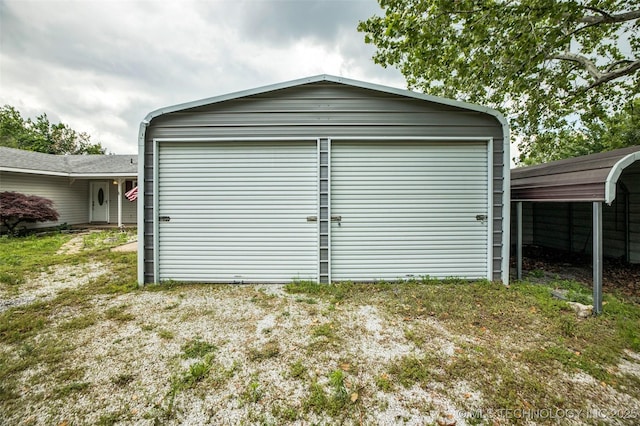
[{"x": 49, "y": 283}]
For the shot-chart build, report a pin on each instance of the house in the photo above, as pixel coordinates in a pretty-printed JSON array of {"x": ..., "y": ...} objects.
[
  {"x": 324, "y": 179},
  {"x": 588, "y": 204},
  {"x": 84, "y": 188}
]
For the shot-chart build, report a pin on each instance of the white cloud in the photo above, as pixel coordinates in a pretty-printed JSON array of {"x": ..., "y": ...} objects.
[{"x": 101, "y": 66}]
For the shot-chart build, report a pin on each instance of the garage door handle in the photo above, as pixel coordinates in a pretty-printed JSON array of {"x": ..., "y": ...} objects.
[
  {"x": 482, "y": 217},
  {"x": 312, "y": 218},
  {"x": 336, "y": 218},
  {"x": 164, "y": 218}
]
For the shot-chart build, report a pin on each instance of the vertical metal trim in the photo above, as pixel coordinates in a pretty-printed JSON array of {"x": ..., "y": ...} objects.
[
  {"x": 519, "y": 242},
  {"x": 490, "y": 209},
  {"x": 141, "y": 202},
  {"x": 329, "y": 210},
  {"x": 506, "y": 198},
  {"x": 326, "y": 220},
  {"x": 156, "y": 213},
  {"x": 597, "y": 258},
  {"x": 318, "y": 198}
]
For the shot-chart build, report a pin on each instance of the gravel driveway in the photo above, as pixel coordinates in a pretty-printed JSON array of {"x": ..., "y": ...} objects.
[{"x": 252, "y": 354}]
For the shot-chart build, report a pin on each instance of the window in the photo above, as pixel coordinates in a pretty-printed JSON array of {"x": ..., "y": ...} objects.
[{"x": 129, "y": 185}]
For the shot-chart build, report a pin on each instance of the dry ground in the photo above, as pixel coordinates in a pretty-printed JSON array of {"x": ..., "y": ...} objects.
[{"x": 90, "y": 352}]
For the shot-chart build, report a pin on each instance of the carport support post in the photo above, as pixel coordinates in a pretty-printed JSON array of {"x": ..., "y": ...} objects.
[
  {"x": 597, "y": 258},
  {"x": 519, "y": 243}
]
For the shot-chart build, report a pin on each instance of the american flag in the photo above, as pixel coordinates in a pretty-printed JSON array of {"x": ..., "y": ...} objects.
[{"x": 132, "y": 195}]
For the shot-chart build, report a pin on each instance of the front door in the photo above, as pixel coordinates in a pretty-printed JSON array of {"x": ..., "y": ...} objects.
[{"x": 99, "y": 202}]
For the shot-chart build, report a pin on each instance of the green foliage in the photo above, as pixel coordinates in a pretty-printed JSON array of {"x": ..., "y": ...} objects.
[
  {"x": 253, "y": 392},
  {"x": 334, "y": 403},
  {"x": 43, "y": 136},
  {"x": 197, "y": 372},
  {"x": 197, "y": 348},
  {"x": 410, "y": 370},
  {"x": 297, "y": 370},
  {"x": 552, "y": 65},
  {"x": 619, "y": 130}
]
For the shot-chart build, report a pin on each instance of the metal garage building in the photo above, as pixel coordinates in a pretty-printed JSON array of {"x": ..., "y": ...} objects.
[{"x": 323, "y": 179}]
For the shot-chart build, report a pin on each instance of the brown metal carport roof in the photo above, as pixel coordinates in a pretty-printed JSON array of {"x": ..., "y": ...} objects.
[
  {"x": 587, "y": 178},
  {"x": 590, "y": 178}
]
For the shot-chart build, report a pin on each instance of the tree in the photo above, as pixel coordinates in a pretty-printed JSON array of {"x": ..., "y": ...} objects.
[
  {"x": 43, "y": 136},
  {"x": 16, "y": 208},
  {"x": 619, "y": 130},
  {"x": 553, "y": 66}
]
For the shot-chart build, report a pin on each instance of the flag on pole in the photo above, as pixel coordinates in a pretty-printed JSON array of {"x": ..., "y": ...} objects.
[{"x": 132, "y": 195}]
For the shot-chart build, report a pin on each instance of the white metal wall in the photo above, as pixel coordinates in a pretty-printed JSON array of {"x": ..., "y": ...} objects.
[
  {"x": 238, "y": 211},
  {"x": 409, "y": 208}
]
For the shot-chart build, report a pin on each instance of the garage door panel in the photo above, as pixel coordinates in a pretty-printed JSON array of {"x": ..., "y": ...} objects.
[
  {"x": 238, "y": 211},
  {"x": 409, "y": 208}
]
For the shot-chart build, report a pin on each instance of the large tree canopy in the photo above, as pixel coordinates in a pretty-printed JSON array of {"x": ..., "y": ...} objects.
[
  {"x": 618, "y": 130},
  {"x": 43, "y": 136},
  {"x": 553, "y": 66}
]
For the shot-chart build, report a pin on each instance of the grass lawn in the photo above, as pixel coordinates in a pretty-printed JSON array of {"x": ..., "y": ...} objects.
[{"x": 80, "y": 343}]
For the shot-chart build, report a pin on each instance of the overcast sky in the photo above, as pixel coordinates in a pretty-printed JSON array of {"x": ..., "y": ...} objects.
[{"x": 102, "y": 65}]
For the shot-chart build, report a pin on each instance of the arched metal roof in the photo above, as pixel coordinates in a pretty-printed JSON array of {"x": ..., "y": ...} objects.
[{"x": 587, "y": 178}]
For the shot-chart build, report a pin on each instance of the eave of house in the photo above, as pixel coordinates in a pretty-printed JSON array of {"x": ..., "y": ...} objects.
[{"x": 69, "y": 175}]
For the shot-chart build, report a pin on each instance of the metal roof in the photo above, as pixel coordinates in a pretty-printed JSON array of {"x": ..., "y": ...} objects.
[
  {"x": 331, "y": 79},
  {"x": 17, "y": 160},
  {"x": 586, "y": 178}
]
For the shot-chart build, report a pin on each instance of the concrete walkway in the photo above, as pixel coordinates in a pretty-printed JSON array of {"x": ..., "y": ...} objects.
[{"x": 127, "y": 247}]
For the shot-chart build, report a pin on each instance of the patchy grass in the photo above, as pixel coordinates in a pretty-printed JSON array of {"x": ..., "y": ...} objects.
[
  {"x": 197, "y": 348},
  {"x": 22, "y": 257},
  {"x": 270, "y": 349},
  {"x": 421, "y": 351}
]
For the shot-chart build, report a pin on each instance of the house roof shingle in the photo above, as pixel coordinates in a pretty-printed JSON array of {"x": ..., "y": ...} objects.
[{"x": 71, "y": 165}]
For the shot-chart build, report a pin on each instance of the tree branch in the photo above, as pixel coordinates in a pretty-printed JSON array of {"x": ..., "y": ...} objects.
[
  {"x": 586, "y": 63},
  {"x": 607, "y": 18},
  {"x": 599, "y": 77},
  {"x": 619, "y": 72}
]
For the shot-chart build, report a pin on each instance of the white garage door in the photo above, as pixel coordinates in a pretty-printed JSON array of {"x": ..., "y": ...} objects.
[
  {"x": 237, "y": 211},
  {"x": 409, "y": 208}
]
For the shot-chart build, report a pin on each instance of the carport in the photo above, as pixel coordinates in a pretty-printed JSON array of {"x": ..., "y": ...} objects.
[{"x": 570, "y": 186}]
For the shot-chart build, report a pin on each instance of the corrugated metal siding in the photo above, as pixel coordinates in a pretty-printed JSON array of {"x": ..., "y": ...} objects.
[
  {"x": 569, "y": 226},
  {"x": 70, "y": 197},
  {"x": 409, "y": 208},
  {"x": 325, "y": 110},
  {"x": 238, "y": 212},
  {"x": 527, "y": 225},
  {"x": 631, "y": 179}
]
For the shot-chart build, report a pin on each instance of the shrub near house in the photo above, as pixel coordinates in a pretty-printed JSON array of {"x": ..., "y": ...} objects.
[{"x": 17, "y": 208}]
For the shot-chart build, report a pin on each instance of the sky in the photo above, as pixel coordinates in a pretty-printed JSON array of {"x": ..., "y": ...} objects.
[{"x": 101, "y": 66}]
